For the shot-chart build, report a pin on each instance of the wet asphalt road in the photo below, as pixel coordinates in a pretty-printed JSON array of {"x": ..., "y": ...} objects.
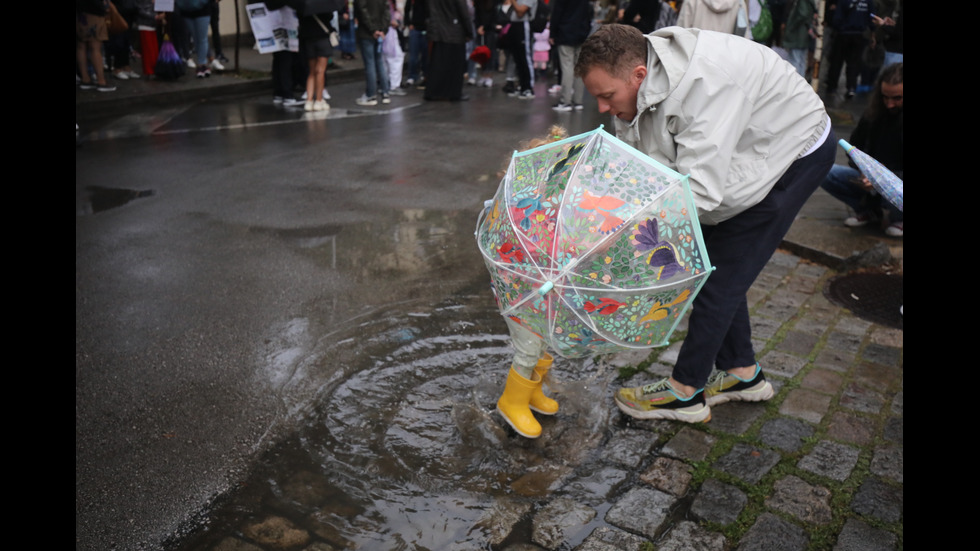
[{"x": 224, "y": 249}]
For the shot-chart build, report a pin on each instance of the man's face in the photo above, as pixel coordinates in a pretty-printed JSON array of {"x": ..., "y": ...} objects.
[
  {"x": 615, "y": 95},
  {"x": 891, "y": 95}
]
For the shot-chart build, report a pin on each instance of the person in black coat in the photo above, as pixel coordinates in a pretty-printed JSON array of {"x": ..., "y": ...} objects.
[
  {"x": 450, "y": 26},
  {"x": 571, "y": 22}
]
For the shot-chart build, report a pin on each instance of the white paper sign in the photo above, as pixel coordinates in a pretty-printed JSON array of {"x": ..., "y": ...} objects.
[{"x": 274, "y": 30}]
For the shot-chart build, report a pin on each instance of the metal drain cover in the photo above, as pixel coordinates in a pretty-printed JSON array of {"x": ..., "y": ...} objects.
[{"x": 874, "y": 297}]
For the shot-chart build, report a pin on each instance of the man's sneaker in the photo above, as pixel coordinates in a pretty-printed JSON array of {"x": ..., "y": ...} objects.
[
  {"x": 659, "y": 401},
  {"x": 292, "y": 102},
  {"x": 216, "y": 65},
  {"x": 526, "y": 94},
  {"x": 105, "y": 88},
  {"x": 190, "y": 63},
  {"x": 859, "y": 220},
  {"x": 724, "y": 387},
  {"x": 562, "y": 107},
  {"x": 410, "y": 82},
  {"x": 896, "y": 230},
  {"x": 365, "y": 100},
  {"x": 385, "y": 98},
  {"x": 555, "y": 90},
  {"x": 578, "y": 106}
]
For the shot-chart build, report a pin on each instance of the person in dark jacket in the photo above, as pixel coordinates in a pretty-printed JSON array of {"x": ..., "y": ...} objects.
[
  {"x": 416, "y": 15},
  {"x": 880, "y": 134},
  {"x": 373, "y": 19},
  {"x": 571, "y": 21},
  {"x": 642, "y": 14},
  {"x": 851, "y": 20},
  {"x": 449, "y": 27}
]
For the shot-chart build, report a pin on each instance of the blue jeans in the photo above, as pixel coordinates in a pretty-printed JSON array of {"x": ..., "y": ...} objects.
[
  {"x": 838, "y": 184},
  {"x": 417, "y": 58},
  {"x": 199, "y": 32},
  {"x": 375, "y": 70}
]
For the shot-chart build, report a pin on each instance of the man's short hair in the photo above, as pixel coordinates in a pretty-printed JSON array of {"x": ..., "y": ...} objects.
[{"x": 614, "y": 48}]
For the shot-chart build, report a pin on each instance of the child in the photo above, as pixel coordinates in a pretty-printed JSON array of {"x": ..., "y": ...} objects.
[
  {"x": 523, "y": 392},
  {"x": 542, "y": 50}
]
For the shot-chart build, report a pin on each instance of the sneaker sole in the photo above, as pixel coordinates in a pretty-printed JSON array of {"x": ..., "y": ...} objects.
[
  {"x": 701, "y": 415},
  {"x": 749, "y": 395}
]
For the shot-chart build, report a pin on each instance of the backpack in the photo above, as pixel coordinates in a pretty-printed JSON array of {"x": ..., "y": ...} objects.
[
  {"x": 541, "y": 17},
  {"x": 763, "y": 28}
]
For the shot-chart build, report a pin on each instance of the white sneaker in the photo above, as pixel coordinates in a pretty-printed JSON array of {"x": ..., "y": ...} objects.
[
  {"x": 132, "y": 74},
  {"x": 309, "y": 106},
  {"x": 292, "y": 102},
  {"x": 216, "y": 65},
  {"x": 321, "y": 106},
  {"x": 121, "y": 75},
  {"x": 555, "y": 90},
  {"x": 365, "y": 100},
  {"x": 488, "y": 82},
  {"x": 191, "y": 64},
  {"x": 326, "y": 95},
  {"x": 895, "y": 230}
]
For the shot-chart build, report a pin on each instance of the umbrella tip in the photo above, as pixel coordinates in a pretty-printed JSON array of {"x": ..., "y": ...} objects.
[{"x": 845, "y": 145}]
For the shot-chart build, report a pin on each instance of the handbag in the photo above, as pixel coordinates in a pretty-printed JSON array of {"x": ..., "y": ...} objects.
[
  {"x": 331, "y": 34},
  {"x": 115, "y": 23}
]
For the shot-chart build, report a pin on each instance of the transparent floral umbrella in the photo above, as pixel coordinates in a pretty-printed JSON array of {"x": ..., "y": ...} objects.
[
  {"x": 593, "y": 245},
  {"x": 888, "y": 184}
]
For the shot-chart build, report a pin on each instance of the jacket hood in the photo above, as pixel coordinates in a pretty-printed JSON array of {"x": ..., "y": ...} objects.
[
  {"x": 669, "y": 52},
  {"x": 720, "y": 6}
]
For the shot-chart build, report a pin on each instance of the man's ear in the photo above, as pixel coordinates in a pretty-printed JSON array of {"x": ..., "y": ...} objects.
[{"x": 638, "y": 74}]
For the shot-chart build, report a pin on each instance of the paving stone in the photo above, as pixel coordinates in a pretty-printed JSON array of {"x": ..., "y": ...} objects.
[
  {"x": 894, "y": 430},
  {"x": 889, "y": 463},
  {"x": 690, "y": 444},
  {"x": 782, "y": 364},
  {"x": 851, "y": 428},
  {"x": 860, "y": 536},
  {"x": 736, "y": 417},
  {"x": 611, "y": 539},
  {"x": 629, "y": 447},
  {"x": 878, "y": 499},
  {"x": 834, "y": 359},
  {"x": 718, "y": 502},
  {"x": 811, "y": 325},
  {"x": 628, "y": 358},
  {"x": 771, "y": 533},
  {"x": 876, "y": 375},
  {"x": 764, "y": 328},
  {"x": 654, "y": 504},
  {"x": 794, "y": 496},
  {"x": 844, "y": 342},
  {"x": 822, "y": 380},
  {"x": 747, "y": 463},
  {"x": 785, "y": 434},
  {"x": 593, "y": 487},
  {"x": 898, "y": 403},
  {"x": 830, "y": 459},
  {"x": 853, "y": 325},
  {"x": 815, "y": 271},
  {"x": 669, "y": 475},
  {"x": 499, "y": 520},
  {"x": 805, "y": 404},
  {"x": 862, "y": 398},
  {"x": 797, "y": 343},
  {"x": 882, "y": 354},
  {"x": 777, "y": 308},
  {"x": 888, "y": 336},
  {"x": 561, "y": 518},
  {"x": 688, "y": 536}
]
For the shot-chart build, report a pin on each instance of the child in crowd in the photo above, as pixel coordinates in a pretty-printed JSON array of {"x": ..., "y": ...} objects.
[{"x": 542, "y": 50}]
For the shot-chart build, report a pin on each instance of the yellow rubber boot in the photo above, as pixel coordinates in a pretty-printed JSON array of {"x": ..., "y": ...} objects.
[
  {"x": 513, "y": 404},
  {"x": 539, "y": 402}
]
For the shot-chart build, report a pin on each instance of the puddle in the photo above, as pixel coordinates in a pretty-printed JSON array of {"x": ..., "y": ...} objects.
[{"x": 406, "y": 452}]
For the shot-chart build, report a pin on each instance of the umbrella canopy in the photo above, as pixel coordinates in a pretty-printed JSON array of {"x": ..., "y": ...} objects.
[
  {"x": 593, "y": 245},
  {"x": 888, "y": 184},
  {"x": 169, "y": 65}
]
